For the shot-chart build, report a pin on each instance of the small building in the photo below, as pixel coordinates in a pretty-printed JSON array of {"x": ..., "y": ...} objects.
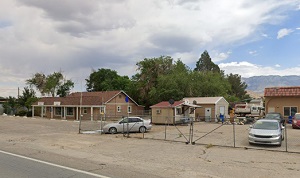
[
  {"x": 211, "y": 107},
  {"x": 89, "y": 105},
  {"x": 285, "y": 100},
  {"x": 178, "y": 112}
]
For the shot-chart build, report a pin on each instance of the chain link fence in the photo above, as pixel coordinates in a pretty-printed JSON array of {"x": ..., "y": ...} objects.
[{"x": 229, "y": 133}]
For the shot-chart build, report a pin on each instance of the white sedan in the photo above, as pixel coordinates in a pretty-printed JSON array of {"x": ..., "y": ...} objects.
[
  {"x": 128, "y": 124},
  {"x": 266, "y": 131}
]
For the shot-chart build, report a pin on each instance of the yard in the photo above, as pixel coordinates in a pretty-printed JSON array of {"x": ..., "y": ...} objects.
[{"x": 58, "y": 142}]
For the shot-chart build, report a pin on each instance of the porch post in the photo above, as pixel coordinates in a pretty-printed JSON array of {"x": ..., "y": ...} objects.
[
  {"x": 51, "y": 109},
  {"x": 77, "y": 112},
  {"x": 92, "y": 110},
  {"x": 64, "y": 117},
  {"x": 42, "y": 112}
]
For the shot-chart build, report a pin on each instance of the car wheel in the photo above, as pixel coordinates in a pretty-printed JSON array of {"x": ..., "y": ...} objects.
[
  {"x": 280, "y": 143},
  {"x": 142, "y": 129},
  {"x": 112, "y": 130}
]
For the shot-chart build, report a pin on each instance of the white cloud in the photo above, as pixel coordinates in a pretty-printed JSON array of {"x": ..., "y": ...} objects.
[
  {"x": 253, "y": 53},
  {"x": 265, "y": 35},
  {"x": 277, "y": 65},
  {"x": 246, "y": 69},
  {"x": 217, "y": 57},
  {"x": 283, "y": 32},
  {"x": 36, "y": 36}
]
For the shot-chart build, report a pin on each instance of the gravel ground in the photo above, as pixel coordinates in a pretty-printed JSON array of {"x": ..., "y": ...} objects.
[{"x": 115, "y": 156}]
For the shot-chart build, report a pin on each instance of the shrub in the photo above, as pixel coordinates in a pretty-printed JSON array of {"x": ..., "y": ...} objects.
[{"x": 21, "y": 113}]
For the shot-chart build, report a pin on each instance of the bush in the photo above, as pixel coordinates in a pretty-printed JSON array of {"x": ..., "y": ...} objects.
[
  {"x": 21, "y": 113},
  {"x": 29, "y": 113}
]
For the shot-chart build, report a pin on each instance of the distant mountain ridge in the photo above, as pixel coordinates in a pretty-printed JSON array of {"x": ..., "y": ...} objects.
[{"x": 259, "y": 83}]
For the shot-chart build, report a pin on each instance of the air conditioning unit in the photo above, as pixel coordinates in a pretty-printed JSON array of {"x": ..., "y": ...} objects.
[{"x": 186, "y": 102}]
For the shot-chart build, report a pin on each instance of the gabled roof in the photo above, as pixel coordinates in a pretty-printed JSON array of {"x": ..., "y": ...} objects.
[
  {"x": 84, "y": 98},
  {"x": 205, "y": 100},
  {"x": 282, "y": 91},
  {"x": 166, "y": 104}
]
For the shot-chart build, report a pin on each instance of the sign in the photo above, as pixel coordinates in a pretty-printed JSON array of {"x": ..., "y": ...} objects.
[{"x": 127, "y": 99}]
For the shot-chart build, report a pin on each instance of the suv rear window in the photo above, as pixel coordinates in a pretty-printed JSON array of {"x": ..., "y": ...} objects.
[{"x": 297, "y": 116}]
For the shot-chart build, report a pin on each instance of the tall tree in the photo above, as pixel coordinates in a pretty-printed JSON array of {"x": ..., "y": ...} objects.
[
  {"x": 204, "y": 64},
  {"x": 238, "y": 88},
  {"x": 149, "y": 71},
  {"x": 52, "y": 84},
  {"x": 27, "y": 98},
  {"x": 173, "y": 85},
  {"x": 106, "y": 79}
]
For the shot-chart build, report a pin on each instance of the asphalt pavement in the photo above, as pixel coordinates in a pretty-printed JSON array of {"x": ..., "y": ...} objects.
[{"x": 12, "y": 166}]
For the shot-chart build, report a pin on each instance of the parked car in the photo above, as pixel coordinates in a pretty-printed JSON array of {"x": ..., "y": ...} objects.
[
  {"x": 266, "y": 131},
  {"x": 296, "y": 121},
  {"x": 130, "y": 124},
  {"x": 276, "y": 116}
]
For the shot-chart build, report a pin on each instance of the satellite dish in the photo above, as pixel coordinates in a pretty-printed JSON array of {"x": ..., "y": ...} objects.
[{"x": 171, "y": 101}]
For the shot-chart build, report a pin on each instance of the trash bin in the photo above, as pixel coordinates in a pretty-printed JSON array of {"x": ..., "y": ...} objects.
[
  {"x": 222, "y": 118},
  {"x": 290, "y": 119}
]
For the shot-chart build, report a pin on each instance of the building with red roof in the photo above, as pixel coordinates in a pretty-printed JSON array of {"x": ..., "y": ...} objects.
[
  {"x": 89, "y": 105},
  {"x": 285, "y": 100}
]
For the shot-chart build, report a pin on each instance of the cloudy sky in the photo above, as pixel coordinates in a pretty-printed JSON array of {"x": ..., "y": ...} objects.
[{"x": 246, "y": 37}]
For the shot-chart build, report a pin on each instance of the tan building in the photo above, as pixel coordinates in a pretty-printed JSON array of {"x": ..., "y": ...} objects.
[
  {"x": 285, "y": 100},
  {"x": 211, "y": 107},
  {"x": 89, "y": 105},
  {"x": 165, "y": 113}
]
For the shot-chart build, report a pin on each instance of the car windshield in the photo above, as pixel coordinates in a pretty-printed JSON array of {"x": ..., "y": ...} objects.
[
  {"x": 265, "y": 125},
  {"x": 297, "y": 116},
  {"x": 272, "y": 116}
]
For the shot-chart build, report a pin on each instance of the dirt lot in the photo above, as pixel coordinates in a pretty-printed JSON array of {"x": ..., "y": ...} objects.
[{"x": 58, "y": 142}]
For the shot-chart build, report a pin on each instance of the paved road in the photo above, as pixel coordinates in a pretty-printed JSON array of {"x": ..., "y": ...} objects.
[{"x": 12, "y": 165}]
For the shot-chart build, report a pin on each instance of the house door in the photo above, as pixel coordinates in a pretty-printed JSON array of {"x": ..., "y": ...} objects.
[
  {"x": 222, "y": 110},
  {"x": 207, "y": 114}
]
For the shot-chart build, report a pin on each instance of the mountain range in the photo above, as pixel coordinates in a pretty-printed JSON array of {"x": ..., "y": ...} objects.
[{"x": 257, "y": 84}]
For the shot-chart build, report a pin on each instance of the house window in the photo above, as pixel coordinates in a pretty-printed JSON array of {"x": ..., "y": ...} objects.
[
  {"x": 70, "y": 111},
  {"x": 84, "y": 110},
  {"x": 178, "y": 110},
  {"x": 158, "y": 111},
  {"x": 129, "y": 109},
  {"x": 289, "y": 111},
  {"x": 102, "y": 110},
  {"x": 118, "y": 108},
  {"x": 58, "y": 111}
]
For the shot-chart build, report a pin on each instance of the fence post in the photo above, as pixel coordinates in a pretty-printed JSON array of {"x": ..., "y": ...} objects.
[
  {"x": 233, "y": 134},
  {"x": 285, "y": 137},
  {"x": 166, "y": 129}
]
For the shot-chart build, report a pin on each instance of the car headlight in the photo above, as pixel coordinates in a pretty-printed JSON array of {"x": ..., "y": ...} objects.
[
  {"x": 276, "y": 135},
  {"x": 251, "y": 134}
]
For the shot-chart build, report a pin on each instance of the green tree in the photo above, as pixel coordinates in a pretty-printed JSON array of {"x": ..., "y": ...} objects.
[
  {"x": 27, "y": 98},
  {"x": 173, "y": 85},
  {"x": 64, "y": 89},
  {"x": 107, "y": 79},
  {"x": 10, "y": 107},
  {"x": 149, "y": 70},
  {"x": 52, "y": 84},
  {"x": 204, "y": 64},
  {"x": 238, "y": 88}
]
